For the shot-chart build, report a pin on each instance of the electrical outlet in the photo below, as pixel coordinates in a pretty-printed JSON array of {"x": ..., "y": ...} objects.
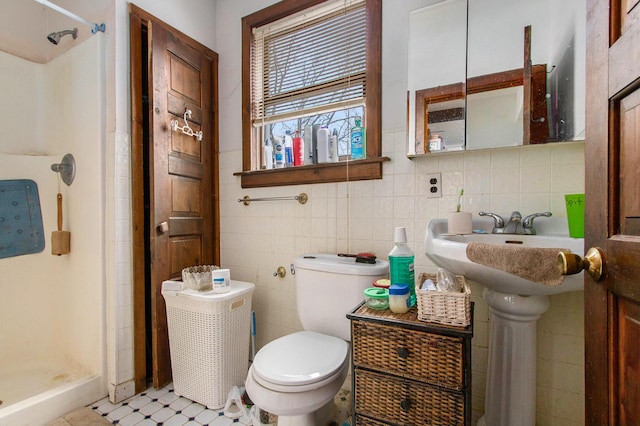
[{"x": 434, "y": 184}]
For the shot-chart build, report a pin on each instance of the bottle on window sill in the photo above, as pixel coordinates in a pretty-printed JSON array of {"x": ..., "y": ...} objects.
[
  {"x": 268, "y": 154},
  {"x": 298, "y": 150},
  {"x": 323, "y": 145},
  {"x": 278, "y": 152},
  {"x": 358, "y": 145},
  {"x": 334, "y": 146},
  {"x": 288, "y": 149}
]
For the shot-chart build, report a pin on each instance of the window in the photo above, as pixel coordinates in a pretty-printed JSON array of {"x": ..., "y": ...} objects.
[{"x": 305, "y": 64}]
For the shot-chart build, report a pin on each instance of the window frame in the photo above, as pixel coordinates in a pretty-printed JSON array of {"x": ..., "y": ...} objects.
[{"x": 369, "y": 168}]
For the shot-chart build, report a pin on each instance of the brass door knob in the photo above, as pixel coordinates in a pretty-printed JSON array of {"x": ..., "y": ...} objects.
[{"x": 593, "y": 263}]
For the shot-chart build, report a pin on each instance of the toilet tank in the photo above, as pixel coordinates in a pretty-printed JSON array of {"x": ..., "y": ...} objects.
[{"x": 329, "y": 286}]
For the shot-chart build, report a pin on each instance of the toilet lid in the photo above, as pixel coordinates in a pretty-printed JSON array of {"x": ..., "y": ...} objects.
[{"x": 300, "y": 358}]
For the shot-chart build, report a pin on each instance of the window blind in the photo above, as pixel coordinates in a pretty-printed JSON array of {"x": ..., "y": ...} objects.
[{"x": 309, "y": 63}]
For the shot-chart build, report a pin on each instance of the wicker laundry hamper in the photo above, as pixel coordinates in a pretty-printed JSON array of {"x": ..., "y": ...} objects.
[{"x": 208, "y": 340}]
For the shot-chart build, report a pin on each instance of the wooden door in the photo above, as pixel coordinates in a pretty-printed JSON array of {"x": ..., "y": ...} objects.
[
  {"x": 612, "y": 306},
  {"x": 181, "y": 174}
]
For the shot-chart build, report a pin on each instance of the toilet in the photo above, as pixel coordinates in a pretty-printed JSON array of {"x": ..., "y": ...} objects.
[{"x": 297, "y": 376}]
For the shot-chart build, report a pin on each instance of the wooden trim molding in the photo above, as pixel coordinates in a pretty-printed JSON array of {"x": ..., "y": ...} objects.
[
  {"x": 370, "y": 168},
  {"x": 535, "y": 108}
]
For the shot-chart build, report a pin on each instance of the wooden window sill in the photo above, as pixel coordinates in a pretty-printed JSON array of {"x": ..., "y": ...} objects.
[{"x": 370, "y": 168}]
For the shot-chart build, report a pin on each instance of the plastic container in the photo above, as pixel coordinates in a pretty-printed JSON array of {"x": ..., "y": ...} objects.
[
  {"x": 298, "y": 150},
  {"x": 358, "y": 147},
  {"x": 382, "y": 283},
  {"x": 288, "y": 149},
  {"x": 575, "y": 214},
  {"x": 221, "y": 279},
  {"x": 334, "y": 145},
  {"x": 278, "y": 153},
  {"x": 399, "y": 298},
  {"x": 323, "y": 145},
  {"x": 401, "y": 261},
  {"x": 268, "y": 154},
  {"x": 310, "y": 143},
  {"x": 446, "y": 281},
  {"x": 376, "y": 298},
  {"x": 208, "y": 340}
]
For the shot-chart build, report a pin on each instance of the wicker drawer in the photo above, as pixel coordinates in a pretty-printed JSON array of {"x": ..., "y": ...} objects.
[
  {"x": 366, "y": 421},
  {"x": 417, "y": 355},
  {"x": 395, "y": 400}
]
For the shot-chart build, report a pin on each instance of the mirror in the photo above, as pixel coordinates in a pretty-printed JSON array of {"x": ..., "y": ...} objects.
[
  {"x": 525, "y": 63},
  {"x": 437, "y": 71}
]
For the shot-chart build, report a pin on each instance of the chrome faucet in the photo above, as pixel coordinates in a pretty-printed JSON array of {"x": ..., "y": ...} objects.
[
  {"x": 498, "y": 222},
  {"x": 527, "y": 222},
  {"x": 516, "y": 224}
]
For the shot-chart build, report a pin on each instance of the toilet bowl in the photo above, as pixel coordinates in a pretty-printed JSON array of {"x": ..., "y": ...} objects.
[{"x": 297, "y": 376}]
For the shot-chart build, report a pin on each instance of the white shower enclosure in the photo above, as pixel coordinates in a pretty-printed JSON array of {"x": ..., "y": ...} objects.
[{"x": 52, "y": 308}]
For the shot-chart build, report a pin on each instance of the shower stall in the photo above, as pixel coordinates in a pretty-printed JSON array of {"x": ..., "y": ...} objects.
[{"x": 52, "y": 308}]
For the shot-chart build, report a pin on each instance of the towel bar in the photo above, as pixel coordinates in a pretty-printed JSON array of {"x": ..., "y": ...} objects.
[{"x": 302, "y": 198}]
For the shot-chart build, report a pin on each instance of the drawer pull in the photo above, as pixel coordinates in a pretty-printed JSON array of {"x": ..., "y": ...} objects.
[
  {"x": 405, "y": 404},
  {"x": 403, "y": 352}
]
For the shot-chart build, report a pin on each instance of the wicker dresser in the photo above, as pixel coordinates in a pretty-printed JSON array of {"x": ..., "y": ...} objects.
[{"x": 409, "y": 372}]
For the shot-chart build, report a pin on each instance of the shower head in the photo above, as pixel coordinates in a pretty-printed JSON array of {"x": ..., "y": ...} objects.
[{"x": 55, "y": 37}]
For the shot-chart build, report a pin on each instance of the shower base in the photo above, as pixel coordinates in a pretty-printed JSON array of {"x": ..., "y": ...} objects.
[
  {"x": 24, "y": 382},
  {"x": 37, "y": 394}
]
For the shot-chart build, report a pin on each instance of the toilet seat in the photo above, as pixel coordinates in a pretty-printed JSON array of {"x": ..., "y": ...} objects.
[{"x": 300, "y": 361}]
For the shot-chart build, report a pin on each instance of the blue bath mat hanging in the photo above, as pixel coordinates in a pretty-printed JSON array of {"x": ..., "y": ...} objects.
[{"x": 21, "y": 230}]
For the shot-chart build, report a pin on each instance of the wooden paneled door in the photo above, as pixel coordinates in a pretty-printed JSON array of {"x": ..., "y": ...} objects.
[
  {"x": 174, "y": 96},
  {"x": 612, "y": 305}
]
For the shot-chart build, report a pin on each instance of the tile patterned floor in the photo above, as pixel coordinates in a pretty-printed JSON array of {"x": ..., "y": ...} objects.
[
  {"x": 157, "y": 407},
  {"x": 162, "y": 407}
]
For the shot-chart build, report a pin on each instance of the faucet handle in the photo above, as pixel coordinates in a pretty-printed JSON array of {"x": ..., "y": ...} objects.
[
  {"x": 527, "y": 222},
  {"x": 498, "y": 220}
]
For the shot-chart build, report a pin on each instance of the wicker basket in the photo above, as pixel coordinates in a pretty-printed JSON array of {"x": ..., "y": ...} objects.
[{"x": 444, "y": 307}]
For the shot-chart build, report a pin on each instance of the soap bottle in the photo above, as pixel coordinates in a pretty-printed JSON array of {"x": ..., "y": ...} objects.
[
  {"x": 401, "y": 261},
  {"x": 278, "y": 152},
  {"x": 288, "y": 149},
  {"x": 268, "y": 154},
  {"x": 358, "y": 146}
]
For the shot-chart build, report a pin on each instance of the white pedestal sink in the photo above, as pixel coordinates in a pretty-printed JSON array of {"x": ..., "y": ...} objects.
[{"x": 515, "y": 304}]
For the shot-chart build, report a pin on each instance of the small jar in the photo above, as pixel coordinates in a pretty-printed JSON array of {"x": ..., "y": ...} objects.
[
  {"x": 377, "y": 298},
  {"x": 399, "y": 298}
]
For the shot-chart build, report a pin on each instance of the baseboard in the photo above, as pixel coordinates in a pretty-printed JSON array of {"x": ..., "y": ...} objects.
[{"x": 118, "y": 393}]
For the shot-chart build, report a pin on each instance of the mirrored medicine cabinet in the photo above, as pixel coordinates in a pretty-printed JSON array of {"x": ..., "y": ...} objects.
[{"x": 495, "y": 73}]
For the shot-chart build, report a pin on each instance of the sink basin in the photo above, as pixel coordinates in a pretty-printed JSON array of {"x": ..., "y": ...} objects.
[
  {"x": 449, "y": 251},
  {"x": 515, "y": 305}
]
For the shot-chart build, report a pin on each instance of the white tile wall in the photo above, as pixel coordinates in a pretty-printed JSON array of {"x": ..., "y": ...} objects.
[
  {"x": 119, "y": 282},
  {"x": 361, "y": 216}
]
